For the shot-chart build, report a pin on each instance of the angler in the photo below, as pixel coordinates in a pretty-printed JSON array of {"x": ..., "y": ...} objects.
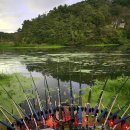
[
  {"x": 110, "y": 105},
  {"x": 114, "y": 115}
]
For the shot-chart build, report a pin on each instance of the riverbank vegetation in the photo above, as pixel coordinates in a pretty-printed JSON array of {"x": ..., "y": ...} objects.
[
  {"x": 29, "y": 46},
  {"x": 112, "y": 87},
  {"x": 84, "y": 23}
]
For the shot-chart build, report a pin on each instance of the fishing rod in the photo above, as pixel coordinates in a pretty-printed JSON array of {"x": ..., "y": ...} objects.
[
  {"x": 112, "y": 116},
  {"x": 5, "y": 116},
  {"x": 79, "y": 108},
  {"x": 43, "y": 115},
  {"x": 52, "y": 110},
  {"x": 8, "y": 126},
  {"x": 18, "y": 121},
  {"x": 110, "y": 105},
  {"x": 46, "y": 100},
  {"x": 23, "y": 112},
  {"x": 99, "y": 100},
  {"x": 114, "y": 102},
  {"x": 96, "y": 108},
  {"x": 88, "y": 103},
  {"x": 59, "y": 96},
  {"x": 51, "y": 106},
  {"x": 17, "y": 107},
  {"x": 87, "y": 108},
  {"x": 27, "y": 101},
  {"x": 35, "y": 115},
  {"x": 122, "y": 119},
  {"x": 71, "y": 108},
  {"x": 123, "y": 115}
]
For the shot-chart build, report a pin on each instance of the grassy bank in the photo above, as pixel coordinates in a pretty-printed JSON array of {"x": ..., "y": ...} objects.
[
  {"x": 110, "y": 90},
  {"x": 29, "y": 46}
]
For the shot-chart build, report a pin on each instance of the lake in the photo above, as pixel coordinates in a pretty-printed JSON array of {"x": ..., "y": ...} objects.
[{"x": 84, "y": 65}]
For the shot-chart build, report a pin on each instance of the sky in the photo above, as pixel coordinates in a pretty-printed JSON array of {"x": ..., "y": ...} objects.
[{"x": 14, "y": 12}]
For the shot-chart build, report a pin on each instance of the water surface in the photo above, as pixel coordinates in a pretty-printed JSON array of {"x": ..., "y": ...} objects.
[{"x": 84, "y": 65}]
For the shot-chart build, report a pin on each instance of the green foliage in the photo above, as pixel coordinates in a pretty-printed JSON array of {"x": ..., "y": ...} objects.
[
  {"x": 122, "y": 2},
  {"x": 87, "y": 22},
  {"x": 6, "y": 37}
]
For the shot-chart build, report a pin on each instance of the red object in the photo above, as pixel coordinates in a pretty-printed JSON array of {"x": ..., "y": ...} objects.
[
  {"x": 125, "y": 127},
  {"x": 50, "y": 123},
  {"x": 111, "y": 124}
]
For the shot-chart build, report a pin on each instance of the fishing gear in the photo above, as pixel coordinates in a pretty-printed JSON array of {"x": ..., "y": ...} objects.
[
  {"x": 122, "y": 119},
  {"x": 5, "y": 116},
  {"x": 96, "y": 109},
  {"x": 110, "y": 105},
  {"x": 71, "y": 108},
  {"x": 123, "y": 115},
  {"x": 35, "y": 114},
  {"x": 114, "y": 102},
  {"x": 46, "y": 106},
  {"x": 114, "y": 115},
  {"x": 87, "y": 108},
  {"x": 59, "y": 105},
  {"x": 18, "y": 121},
  {"x": 27, "y": 102},
  {"x": 51, "y": 106},
  {"x": 52, "y": 110},
  {"x": 7, "y": 125},
  {"x": 16, "y": 106},
  {"x": 60, "y": 108},
  {"x": 99, "y": 100},
  {"x": 42, "y": 111},
  {"x": 79, "y": 108}
]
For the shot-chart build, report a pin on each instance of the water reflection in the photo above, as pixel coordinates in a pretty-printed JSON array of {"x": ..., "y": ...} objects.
[{"x": 93, "y": 65}]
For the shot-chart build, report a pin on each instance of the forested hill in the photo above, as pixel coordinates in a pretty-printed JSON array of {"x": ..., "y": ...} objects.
[{"x": 86, "y": 22}]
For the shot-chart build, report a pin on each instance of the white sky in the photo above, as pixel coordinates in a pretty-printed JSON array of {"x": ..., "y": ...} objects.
[{"x": 14, "y": 12}]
